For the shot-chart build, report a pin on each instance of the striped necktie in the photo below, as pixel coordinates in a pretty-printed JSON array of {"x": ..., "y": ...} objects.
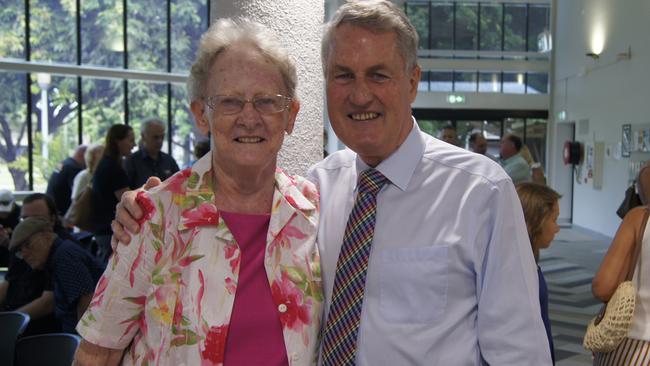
[{"x": 342, "y": 326}]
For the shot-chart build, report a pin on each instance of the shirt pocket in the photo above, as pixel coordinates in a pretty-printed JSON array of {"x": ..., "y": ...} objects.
[{"x": 413, "y": 284}]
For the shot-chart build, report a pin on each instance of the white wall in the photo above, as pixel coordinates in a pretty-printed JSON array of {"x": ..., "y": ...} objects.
[
  {"x": 608, "y": 92},
  {"x": 298, "y": 23}
]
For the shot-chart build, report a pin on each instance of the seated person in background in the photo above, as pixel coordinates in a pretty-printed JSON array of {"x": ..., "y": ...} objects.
[
  {"x": 449, "y": 135},
  {"x": 149, "y": 160},
  {"x": 541, "y": 210},
  {"x": 72, "y": 270},
  {"x": 84, "y": 178},
  {"x": 9, "y": 217},
  {"x": 512, "y": 161},
  {"x": 59, "y": 186},
  {"x": 28, "y": 290}
]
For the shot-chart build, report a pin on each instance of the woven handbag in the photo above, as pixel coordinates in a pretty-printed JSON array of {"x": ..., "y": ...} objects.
[{"x": 608, "y": 329}]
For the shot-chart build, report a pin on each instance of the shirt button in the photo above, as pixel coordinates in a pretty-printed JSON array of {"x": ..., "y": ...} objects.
[{"x": 282, "y": 308}]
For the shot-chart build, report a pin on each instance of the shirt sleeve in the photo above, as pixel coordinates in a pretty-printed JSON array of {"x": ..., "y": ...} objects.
[
  {"x": 117, "y": 308},
  {"x": 510, "y": 327}
]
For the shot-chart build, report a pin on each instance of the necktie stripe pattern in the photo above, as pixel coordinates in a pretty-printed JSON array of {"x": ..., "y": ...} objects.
[{"x": 342, "y": 326}]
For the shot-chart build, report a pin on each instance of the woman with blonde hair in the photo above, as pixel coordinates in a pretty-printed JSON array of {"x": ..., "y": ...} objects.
[
  {"x": 541, "y": 210},
  {"x": 92, "y": 156}
]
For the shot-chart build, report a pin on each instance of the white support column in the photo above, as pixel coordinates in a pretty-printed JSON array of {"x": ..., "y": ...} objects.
[{"x": 299, "y": 25}]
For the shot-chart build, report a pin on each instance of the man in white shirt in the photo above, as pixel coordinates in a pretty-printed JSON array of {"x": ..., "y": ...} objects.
[{"x": 451, "y": 278}]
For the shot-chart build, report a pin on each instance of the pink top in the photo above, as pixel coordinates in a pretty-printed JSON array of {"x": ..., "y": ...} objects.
[{"x": 255, "y": 332}]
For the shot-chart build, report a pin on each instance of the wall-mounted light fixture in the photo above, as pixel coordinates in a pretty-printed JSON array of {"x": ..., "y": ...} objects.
[{"x": 593, "y": 55}]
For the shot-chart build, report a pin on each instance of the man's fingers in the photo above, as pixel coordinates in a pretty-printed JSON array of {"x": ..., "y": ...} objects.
[
  {"x": 151, "y": 182},
  {"x": 119, "y": 235},
  {"x": 127, "y": 212}
]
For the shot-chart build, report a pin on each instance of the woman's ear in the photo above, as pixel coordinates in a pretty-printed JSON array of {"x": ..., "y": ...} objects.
[
  {"x": 294, "y": 108},
  {"x": 200, "y": 116}
]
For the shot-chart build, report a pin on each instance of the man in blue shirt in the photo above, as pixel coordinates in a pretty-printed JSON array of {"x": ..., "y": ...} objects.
[
  {"x": 72, "y": 270},
  {"x": 149, "y": 160}
]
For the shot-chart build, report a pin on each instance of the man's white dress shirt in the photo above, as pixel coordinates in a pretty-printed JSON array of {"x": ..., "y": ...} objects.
[{"x": 451, "y": 279}]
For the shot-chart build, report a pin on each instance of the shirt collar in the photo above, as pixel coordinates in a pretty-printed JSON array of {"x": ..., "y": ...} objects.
[
  {"x": 287, "y": 194},
  {"x": 401, "y": 164}
]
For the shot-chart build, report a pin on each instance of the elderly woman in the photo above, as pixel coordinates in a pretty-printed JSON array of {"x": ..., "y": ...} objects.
[{"x": 225, "y": 267}]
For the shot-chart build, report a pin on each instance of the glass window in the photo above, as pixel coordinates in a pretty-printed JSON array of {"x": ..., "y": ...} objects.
[
  {"x": 491, "y": 16},
  {"x": 147, "y": 100},
  {"x": 442, "y": 35},
  {"x": 189, "y": 21},
  {"x": 441, "y": 81},
  {"x": 537, "y": 83},
  {"x": 432, "y": 127},
  {"x": 14, "y": 173},
  {"x": 515, "y": 126},
  {"x": 515, "y": 27},
  {"x": 538, "y": 22},
  {"x": 514, "y": 82},
  {"x": 12, "y": 28},
  {"x": 52, "y": 31},
  {"x": 147, "y": 35},
  {"x": 102, "y": 36},
  {"x": 466, "y": 26},
  {"x": 102, "y": 107},
  {"x": 54, "y": 124},
  {"x": 465, "y": 81},
  {"x": 423, "y": 84},
  {"x": 184, "y": 132},
  {"x": 489, "y": 82},
  {"x": 418, "y": 13}
]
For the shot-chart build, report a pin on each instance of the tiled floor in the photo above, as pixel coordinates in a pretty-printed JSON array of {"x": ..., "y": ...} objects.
[{"x": 568, "y": 266}]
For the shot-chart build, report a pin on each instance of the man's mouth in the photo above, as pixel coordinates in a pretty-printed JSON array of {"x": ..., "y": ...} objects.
[
  {"x": 363, "y": 116},
  {"x": 249, "y": 139}
]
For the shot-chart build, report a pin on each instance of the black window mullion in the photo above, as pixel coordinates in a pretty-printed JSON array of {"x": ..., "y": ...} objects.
[
  {"x": 430, "y": 26},
  {"x": 478, "y": 28},
  {"x": 125, "y": 60},
  {"x": 28, "y": 97},
  {"x": 169, "y": 70},
  {"x": 79, "y": 84},
  {"x": 453, "y": 30}
]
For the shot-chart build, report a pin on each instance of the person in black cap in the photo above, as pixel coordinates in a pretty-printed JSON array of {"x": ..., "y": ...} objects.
[{"x": 73, "y": 271}]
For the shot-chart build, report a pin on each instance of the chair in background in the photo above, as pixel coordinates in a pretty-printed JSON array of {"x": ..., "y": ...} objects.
[
  {"x": 55, "y": 349},
  {"x": 12, "y": 324}
]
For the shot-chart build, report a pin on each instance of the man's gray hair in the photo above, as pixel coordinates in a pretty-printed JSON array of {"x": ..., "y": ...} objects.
[
  {"x": 225, "y": 33},
  {"x": 150, "y": 121},
  {"x": 376, "y": 16}
]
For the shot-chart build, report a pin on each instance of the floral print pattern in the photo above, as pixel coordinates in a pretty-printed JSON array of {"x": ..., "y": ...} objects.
[{"x": 167, "y": 297}]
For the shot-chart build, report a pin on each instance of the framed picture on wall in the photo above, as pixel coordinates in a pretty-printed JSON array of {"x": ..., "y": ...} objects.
[{"x": 626, "y": 140}]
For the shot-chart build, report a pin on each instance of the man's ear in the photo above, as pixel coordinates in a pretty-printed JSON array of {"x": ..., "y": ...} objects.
[{"x": 200, "y": 116}]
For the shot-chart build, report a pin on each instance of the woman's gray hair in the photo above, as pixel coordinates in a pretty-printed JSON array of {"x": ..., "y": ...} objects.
[
  {"x": 225, "y": 33},
  {"x": 376, "y": 16}
]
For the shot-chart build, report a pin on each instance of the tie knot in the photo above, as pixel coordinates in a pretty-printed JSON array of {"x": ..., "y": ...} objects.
[{"x": 371, "y": 181}]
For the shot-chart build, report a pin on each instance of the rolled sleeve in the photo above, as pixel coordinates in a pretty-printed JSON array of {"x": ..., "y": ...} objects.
[
  {"x": 510, "y": 327},
  {"x": 118, "y": 305}
]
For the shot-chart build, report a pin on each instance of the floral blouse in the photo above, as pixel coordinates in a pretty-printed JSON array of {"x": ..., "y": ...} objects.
[{"x": 168, "y": 295}]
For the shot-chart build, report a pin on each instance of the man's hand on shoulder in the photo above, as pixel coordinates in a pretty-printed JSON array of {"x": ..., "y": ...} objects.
[{"x": 127, "y": 212}]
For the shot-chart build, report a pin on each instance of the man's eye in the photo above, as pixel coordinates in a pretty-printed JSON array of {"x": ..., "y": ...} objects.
[
  {"x": 379, "y": 76},
  {"x": 343, "y": 76}
]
